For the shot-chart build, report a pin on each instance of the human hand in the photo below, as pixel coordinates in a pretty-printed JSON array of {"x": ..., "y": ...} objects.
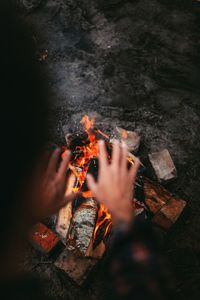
[
  {"x": 51, "y": 190},
  {"x": 115, "y": 185}
]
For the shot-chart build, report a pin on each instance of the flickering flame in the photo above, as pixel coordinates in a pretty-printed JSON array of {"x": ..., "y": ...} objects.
[
  {"x": 103, "y": 216},
  {"x": 87, "y": 123},
  {"x": 79, "y": 167},
  {"x": 91, "y": 151},
  {"x": 80, "y": 164}
]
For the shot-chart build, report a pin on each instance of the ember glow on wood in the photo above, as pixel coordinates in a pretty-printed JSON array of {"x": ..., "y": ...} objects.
[{"x": 44, "y": 239}]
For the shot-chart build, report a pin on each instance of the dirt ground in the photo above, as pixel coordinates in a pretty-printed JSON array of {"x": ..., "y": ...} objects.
[{"x": 137, "y": 63}]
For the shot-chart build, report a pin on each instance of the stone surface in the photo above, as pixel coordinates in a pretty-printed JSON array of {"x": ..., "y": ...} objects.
[
  {"x": 163, "y": 165},
  {"x": 30, "y": 5}
]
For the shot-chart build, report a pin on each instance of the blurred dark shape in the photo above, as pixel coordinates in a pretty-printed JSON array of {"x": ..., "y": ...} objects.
[{"x": 22, "y": 120}]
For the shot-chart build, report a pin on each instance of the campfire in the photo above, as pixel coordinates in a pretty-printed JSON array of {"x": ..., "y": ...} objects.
[{"x": 85, "y": 225}]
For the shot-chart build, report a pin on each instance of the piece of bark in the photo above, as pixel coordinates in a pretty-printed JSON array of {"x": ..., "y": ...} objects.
[
  {"x": 45, "y": 240},
  {"x": 77, "y": 268},
  {"x": 131, "y": 138},
  {"x": 163, "y": 165},
  {"x": 65, "y": 214},
  {"x": 82, "y": 226},
  {"x": 169, "y": 213},
  {"x": 156, "y": 195}
]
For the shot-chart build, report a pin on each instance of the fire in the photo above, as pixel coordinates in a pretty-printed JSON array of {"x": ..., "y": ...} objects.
[
  {"x": 87, "y": 123},
  {"x": 80, "y": 165},
  {"x": 103, "y": 216}
]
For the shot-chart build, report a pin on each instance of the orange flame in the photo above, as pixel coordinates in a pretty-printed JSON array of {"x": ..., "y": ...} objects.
[
  {"x": 103, "y": 216},
  {"x": 79, "y": 167}
]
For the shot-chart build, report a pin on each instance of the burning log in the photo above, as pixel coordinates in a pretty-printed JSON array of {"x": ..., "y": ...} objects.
[
  {"x": 65, "y": 214},
  {"x": 82, "y": 226},
  {"x": 44, "y": 240},
  {"x": 163, "y": 165}
]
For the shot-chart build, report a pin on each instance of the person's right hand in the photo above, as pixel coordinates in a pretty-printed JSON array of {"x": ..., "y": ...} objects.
[{"x": 115, "y": 186}]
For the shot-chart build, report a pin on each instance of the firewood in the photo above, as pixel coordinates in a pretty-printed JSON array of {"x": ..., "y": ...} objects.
[
  {"x": 163, "y": 165},
  {"x": 65, "y": 214},
  {"x": 131, "y": 139},
  {"x": 169, "y": 213},
  {"x": 165, "y": 207},
  {"x": 82, "y": 226},
  {"x": 155, "y": 195},
  {"x": 77, "y": 268},
  {"x": 45, "y": 240}
]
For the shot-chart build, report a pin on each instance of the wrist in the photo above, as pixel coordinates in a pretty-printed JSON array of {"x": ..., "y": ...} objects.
[{"x": 123, "y": 217}]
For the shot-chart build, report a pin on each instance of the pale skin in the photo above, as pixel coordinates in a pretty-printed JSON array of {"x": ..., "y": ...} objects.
[
  {"x": 114, "y": 188},
  {"x": 115, "y": 185}
]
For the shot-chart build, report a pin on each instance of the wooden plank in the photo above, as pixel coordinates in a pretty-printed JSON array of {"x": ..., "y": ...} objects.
[
  {"x": 65, "y": 214},
  {"x": 165, "y": 207},
  {"x": 82, "y": 226},
  {"x": 169, "y": 213},
  {"x": 77, "y": 268}
]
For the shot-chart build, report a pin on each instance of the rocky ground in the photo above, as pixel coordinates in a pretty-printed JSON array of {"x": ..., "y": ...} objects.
[{"x": 136, "y": 63}]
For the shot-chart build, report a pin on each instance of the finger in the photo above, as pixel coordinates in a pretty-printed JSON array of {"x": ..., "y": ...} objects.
[
  {"x": 92, "y": 184},
  {"x": 64, "y": 165},
  {"x": 116, "y": 153},
  {"x": 134, "y": 170},
  {"x": 124, "y": 155},
  {"x": 52, "y": 165},
  {"x": 103, "y": 160}
]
